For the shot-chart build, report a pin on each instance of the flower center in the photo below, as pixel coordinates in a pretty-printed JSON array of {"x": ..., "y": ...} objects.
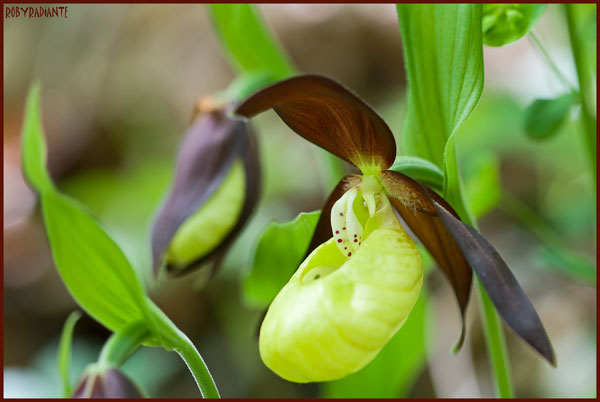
[{"x": 350, "y": 213}]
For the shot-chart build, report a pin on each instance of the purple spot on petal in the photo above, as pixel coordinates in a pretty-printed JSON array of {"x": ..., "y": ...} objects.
[
  {"x": 337, "y": 232},
  {"x": 355, "y": 240},
  {"x": 339, "y": 240},
  {"x": 349, "y": 254}
]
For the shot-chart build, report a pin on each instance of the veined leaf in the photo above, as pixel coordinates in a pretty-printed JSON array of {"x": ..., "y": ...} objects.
[
  {"x": 248, "y": 41},
  {"x": 395, "y": 369},
  {"x": 276, "y": 257},
  {"x": 545, "y": 116},
  {"x": 92, "y": 266},
  {"x": 33, "y": 146},
  {"x": 444, "y": 64},
  {"x": 64, "y": 351}
]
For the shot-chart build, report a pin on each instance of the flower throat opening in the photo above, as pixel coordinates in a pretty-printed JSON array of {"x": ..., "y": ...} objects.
[{"x": 350, "y": 213}]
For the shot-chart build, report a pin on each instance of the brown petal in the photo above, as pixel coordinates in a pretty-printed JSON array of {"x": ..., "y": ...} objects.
[
  {"x": 323, "y": 229},
  {"x": 252, "y": 192},
  {"x": 510, "y": 300},
  {"x": 414, "y": 205},
  {"x": 207, "y": 153},
  {"x": 329, "y": 115}
]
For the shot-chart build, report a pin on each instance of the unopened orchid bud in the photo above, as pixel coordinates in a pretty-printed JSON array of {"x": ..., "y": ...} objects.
[
  {"x": 214, "y": 191},
  {"x": 106, "y": 382},
  {"x": 350, "y": 295}
]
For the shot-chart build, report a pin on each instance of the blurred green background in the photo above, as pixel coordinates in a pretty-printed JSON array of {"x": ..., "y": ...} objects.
[{"x": 118, "y": 85}]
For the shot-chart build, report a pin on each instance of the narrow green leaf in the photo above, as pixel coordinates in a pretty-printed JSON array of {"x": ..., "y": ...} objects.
[
  {"x": 482, "y": 185},
  {"x": 248, "y": 41},
  {"x": 277, "y": 255},
  {"x": 505, "y": 23},
  {"x": 64, "y": 351},
  {"x": 444, "y": 64},
  {"x": 92, "y": 266},
  {"x": 33, "y": 145},
  {"x": 394, "y": 371},
  {"x": 544, "y": 117},
  {"x": 419, "y": 169}
]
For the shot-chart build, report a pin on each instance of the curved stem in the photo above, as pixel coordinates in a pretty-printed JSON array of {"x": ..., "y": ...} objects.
[
  {"x": 172, "y": 338},
  {"x": 123, "y": 344},
  {"x": 197, "y": 367},
  {"x": 585, "y": 86}
]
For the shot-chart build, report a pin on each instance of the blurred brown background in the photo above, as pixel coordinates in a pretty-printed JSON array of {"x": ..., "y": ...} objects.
[{"x": 118, "y": 85}]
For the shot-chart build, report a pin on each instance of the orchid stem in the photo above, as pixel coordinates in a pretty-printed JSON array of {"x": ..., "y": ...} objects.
[
  {"x": 585, "y": 88},
  {"x": 494, "y": 334},
  {"x": 559, "y": 75}
]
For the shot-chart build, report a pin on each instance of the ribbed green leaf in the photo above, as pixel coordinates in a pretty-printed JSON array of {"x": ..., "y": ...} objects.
[
  {"x": 277, "y": 255},
  {"x": 93, "y": 267},
  {"x": 248, "y": 41},
  {"x": 444, "y": 65}
]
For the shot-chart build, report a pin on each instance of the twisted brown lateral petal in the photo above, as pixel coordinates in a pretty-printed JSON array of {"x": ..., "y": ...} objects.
[
  {"x": 418, "y": 211},
  {"x": 323, "y": 229},
  {"x": 210, "y": 147},
  {"x": 252, "y": 192},
  {"x": 329, "y": 115},
  {"x": 510, "y": 300}
]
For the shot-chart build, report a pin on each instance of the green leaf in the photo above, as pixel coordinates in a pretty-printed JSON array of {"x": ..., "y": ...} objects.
[
  {"x": 505, "y": 23},
  {"x": 544, "y": 117},
  {"x": 443, "y": 56},
  {"x": 33, "y": 146},
  {"x": 248, "y": 41},
  {"x": 64, "y": 351},
  {"x": 419, "y": 169},
  {"x": 482, "y": 185},
  {"x": 92, "y": 266},
  {"x": 277, "y": 255},
  {"x": 394, "y": 371}
]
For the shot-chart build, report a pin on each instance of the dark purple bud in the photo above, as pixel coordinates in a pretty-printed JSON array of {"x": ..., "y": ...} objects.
[
  {"x": 215, "y": 189},
  {"x": 106, "y": 383}
]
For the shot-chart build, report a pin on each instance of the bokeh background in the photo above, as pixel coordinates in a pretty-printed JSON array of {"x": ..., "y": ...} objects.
[{"x": 118, "y": 85}]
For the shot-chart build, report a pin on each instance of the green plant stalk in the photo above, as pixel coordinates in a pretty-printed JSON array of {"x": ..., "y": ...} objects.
[
  {"x": 494, "y": 335},
  {"x": 172, "y": 338},
  {"x": 123, "y": 344},
  {"x": 585, "y": 85},
  {"x": 561, "y": 77}
]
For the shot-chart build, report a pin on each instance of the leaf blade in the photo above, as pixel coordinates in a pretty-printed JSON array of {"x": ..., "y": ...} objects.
[
  {"x": 64, "y": 351},
  {"x": 444, "y": 64},
  {"x": 248, "y": 41},
  {"x": 543, "y": 117},
  {"x": 92, "y": 266},
  {"x": 33, "y": 146}
]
